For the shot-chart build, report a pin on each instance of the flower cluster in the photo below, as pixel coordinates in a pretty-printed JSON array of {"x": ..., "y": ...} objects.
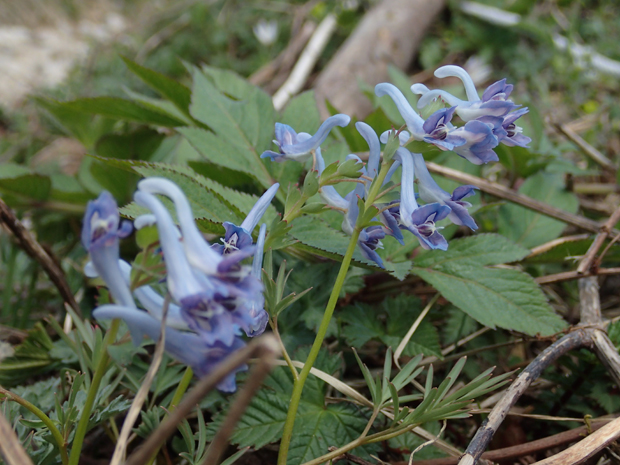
[
  {"x": 489, "y": 121},
  {"x": 214, "y": 296}
]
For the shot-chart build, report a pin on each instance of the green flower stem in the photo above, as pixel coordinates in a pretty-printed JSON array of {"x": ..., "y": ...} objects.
[
  {"x": 62, "y": 446},
  {"x": 378, "y": 437},
  {"x": 80, "y": 432},
  {"x": 298, "y": 385},
  {"x": 181, "y": 389}
]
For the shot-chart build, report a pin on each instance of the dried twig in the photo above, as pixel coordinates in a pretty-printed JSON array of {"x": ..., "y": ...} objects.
[
  {"x": 570, "y": 275},
  {"x": 488, "y": 428},
  {"x": 503, "y": 192},
  {"x": 587, "y": 448},
  {"x": 594, "y": 154},
  {"x": 590, "y": 256},
  {"x": 522, "y": 450},
  {"x": 37, "y": 252},
  {"x": 239, "y": 405},
  {"x": 274, "y": 71},
  {"x": 136, "y": 405},
  {"x": 591, "y": 316},
  {"x": 306, "y": 62},
  {"x": 10, "y": 448},
  {"x": 263, "y": 345}
]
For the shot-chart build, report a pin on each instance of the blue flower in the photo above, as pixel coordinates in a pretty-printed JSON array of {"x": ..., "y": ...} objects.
[
  {"x": 186, "y": 347},
  {"x": 431, "y": 192},
  {"x": 506, "y": 130},
  {"x": 240, "y": 237},
  {"x": 494, "y": 100},
  {"x": 479, "y": 142},
  {"x": 369, "y": 241},
  {"x": 101, "y": 231},
  {"x": 436, "y": 129},
  {"x": 420, "y": 221},
  {"x": 299, "y": 147}
]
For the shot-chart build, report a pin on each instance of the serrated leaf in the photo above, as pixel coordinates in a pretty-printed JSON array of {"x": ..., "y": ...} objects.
[
  {"x": 361, "y": 323},
  {"x": 17, "y": 179},
  {"x": 173, "y": 90},
  {"x": 317, "y": 237},
  {"x": 242, "y": 129},
  {"x": 120, "y": 109},
  {"x": 506, "y": 298},
  {"x": 481, "y": 249},
  {"x": 529, "y": 228}
]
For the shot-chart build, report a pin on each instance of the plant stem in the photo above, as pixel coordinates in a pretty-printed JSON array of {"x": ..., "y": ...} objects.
[
  {"x": 82, "y": 426},
  {"x": 62, "y": 446},
  {"x": 181, "y": 388},
  {"x": 298, "y": 385}
]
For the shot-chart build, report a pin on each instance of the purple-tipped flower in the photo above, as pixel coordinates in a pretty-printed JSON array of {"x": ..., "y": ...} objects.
[
  {"x": 494, "y": 100},
  {"x": 480, "y": 142},
  {"x": 369, "y": 241},
  {"x": 240, "y": 237},
  {"x": 299, "y": 147},
  {"x": 436, "y": 130},
  {"x": 419, "y": 220},
  {"x": 431, "y": 192},
  {"x": 186, "y": 347},
  {"x": 100, "y": 234},
  {"x": 514, "y": 136}
]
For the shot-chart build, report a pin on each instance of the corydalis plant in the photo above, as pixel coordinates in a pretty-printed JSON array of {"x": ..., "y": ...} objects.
[{"x": 215, "y": 297}]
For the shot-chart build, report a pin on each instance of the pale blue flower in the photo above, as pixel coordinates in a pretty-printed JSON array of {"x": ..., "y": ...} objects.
[
  {"x": 299, "y": 147},
  {"x": 506, "y": 130},
  {"x": 186, "y": 347},
  {"x": 420, "y": 221},
  {"x": 101, "y": 231},
  {"x": 479, "y": 142},
  {"x": 431, "y": 192},
  {"x": 494, "y": 100},
  {"x": 240, "y": 237}
]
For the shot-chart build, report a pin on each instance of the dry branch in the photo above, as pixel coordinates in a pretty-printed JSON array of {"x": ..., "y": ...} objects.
[
  {"x": 38, "y": 253},
  {"x": 389, "y": 34},
  {"x": 522, "y": 450},
  {"x": 262, "y": 346},
  {"x": 587, "y": 448}
]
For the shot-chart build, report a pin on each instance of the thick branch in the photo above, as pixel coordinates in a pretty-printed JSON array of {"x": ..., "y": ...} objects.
[
  {"x": 389, "y": 34},
  {"x": 591, "y": 316},
  {"x": 37, "y": 252},
  {"x": 486, "y": 431}
]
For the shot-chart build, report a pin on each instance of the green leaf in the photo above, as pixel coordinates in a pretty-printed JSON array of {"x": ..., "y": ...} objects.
[
  {"x": 172, "y": 90},
  {"x": 317, "y": 237},
  {"x": 481, "y": 249},
  {"x": 506, "y": 298},
  {"x": 317, "y": 426},
  {"x": 212, "y": 203},
  {"x": 389, "y": 324},
  {"x": 301, "y": 113},
  {"x": 242, "y": 129},
  {"x": 120, "y": 109},
  {"x": 529, "y": 228},
  {"x": 19, "y": 180}
]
